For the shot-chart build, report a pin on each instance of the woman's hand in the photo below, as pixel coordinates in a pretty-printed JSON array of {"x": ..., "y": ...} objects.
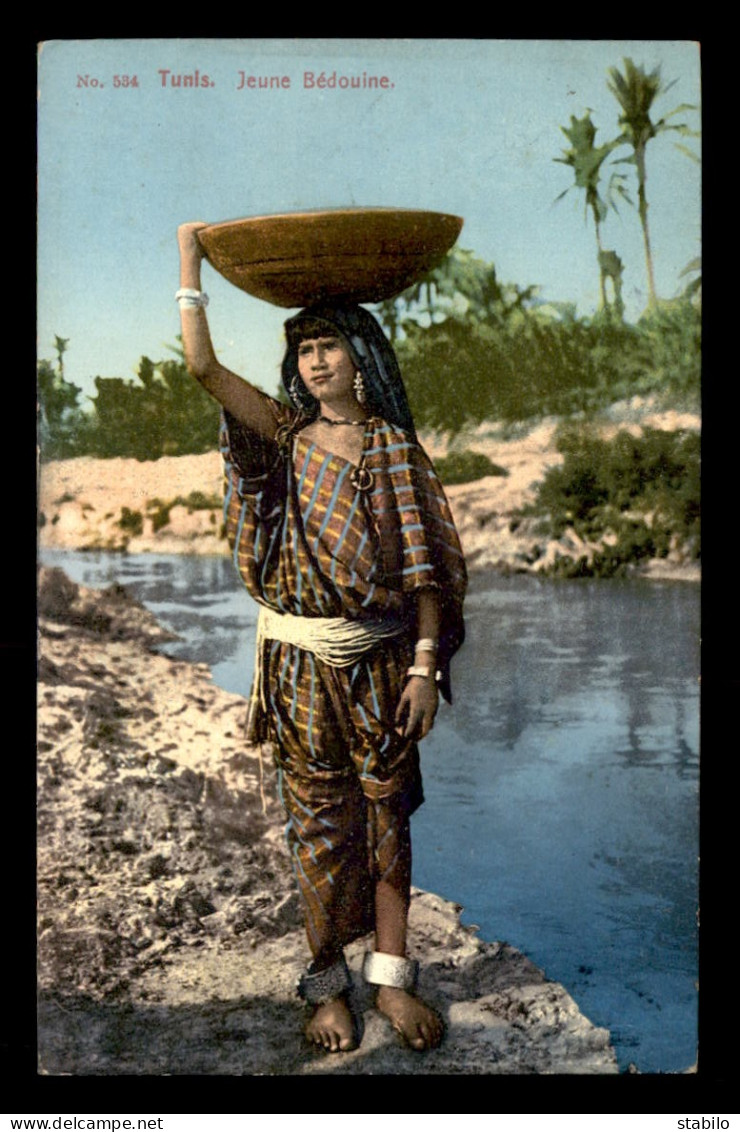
[
  {"x": 417, "y": 707},
  {"x": 187, "y": 237}
]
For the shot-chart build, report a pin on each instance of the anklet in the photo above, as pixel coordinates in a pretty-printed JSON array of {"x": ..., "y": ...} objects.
[
  {"x": 319, "y": 987},
  {"x": 390, "y": 970}
]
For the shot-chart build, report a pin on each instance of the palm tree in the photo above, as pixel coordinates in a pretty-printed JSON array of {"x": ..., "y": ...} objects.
[
  {"x": 586, "y": 159},
  {"x": 636, "y": 91},
  {"x": 461, "y": 284},
  {"x": 61, "y": 347}
]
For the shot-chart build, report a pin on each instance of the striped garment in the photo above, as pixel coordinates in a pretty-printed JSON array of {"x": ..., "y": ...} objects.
[{"x": 306, "y": 541}]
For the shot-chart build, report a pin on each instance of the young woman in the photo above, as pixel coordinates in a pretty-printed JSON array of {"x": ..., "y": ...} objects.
[{"x": 341, "y": 531}]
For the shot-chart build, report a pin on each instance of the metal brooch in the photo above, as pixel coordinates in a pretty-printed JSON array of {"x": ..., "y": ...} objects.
[
  {"x": 282, "y": 436},
  {"x": 362, "y": 479}
]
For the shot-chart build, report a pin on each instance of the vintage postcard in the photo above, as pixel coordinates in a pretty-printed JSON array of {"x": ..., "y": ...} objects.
[{"x": 477, "y": 454}]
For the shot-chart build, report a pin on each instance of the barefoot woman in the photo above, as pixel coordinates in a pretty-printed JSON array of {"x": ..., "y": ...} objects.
[{"x": 341, "y": 531}]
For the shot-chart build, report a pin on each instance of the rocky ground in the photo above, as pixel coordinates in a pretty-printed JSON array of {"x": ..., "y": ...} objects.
[
  {"x": 169, "y": 932},
  {"x": 172, "y": 505}
]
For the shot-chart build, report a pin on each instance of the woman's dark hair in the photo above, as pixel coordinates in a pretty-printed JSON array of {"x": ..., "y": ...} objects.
[{"x": 299, "y": 329}]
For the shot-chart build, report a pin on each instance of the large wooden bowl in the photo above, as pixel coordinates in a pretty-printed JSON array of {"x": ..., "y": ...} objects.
[{"x": 359, "y": 255}]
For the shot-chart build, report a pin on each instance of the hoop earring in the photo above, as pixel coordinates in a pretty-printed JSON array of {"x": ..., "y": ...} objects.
[{"x": 359, "y": 386}]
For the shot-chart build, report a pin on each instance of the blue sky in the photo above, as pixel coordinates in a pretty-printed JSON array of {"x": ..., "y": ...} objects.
[{"x": 468, "y": 126}]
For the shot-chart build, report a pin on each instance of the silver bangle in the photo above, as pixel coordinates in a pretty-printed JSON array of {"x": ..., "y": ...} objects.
[
  {"x": 189, "y": 297},
  {"x": 390, "y": 970},
  {"x": 425, "y": 671}
]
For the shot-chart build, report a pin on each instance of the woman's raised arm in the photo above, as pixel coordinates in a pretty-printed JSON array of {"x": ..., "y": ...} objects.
[{"x": 251, "y": 407}]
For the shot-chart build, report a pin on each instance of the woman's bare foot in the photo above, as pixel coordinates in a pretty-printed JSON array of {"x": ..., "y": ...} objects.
[
  {"x": 332, "y": 1026},
  {"x": 418, "y": 1024}
]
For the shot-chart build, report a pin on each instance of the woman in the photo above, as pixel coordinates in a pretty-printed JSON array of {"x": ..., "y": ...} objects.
[{"x": 341, "y": 531}]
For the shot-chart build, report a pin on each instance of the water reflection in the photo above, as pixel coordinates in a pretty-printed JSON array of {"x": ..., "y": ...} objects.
[
  {"x": 622, "y": 657},
  {"x": 561, "y": 787}
]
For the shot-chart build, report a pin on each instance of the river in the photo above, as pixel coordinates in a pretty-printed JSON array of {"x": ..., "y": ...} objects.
[{"x": 561, "y": 787}]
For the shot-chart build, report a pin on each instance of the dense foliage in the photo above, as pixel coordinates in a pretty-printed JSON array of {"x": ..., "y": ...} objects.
[
  {"x": 164, "y": 413},
  {"x": 168, "y": 414},
  {"x": 640, "y": 494},
  {"x": 460, "y": 372}
]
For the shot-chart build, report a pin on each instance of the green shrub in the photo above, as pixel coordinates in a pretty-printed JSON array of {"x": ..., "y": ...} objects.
[
  {"x": 161, "y": 516},
  {"x": 640, "y": 492},
  {"x": 131, "y": 521},
  {"x": 199, "y": 501},
  {"x": 464, "y": 467},
  {"x": 159, "y": 510}
]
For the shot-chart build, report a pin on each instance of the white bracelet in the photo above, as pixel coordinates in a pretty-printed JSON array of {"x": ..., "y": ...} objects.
[
  {"x": 423, "y": 670},
  {"x": 189, "y": 297},
  {"x": 426, "y": 644}
]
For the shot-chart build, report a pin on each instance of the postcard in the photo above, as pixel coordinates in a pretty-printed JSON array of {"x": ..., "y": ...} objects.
[{"x": 508, "y": 371}]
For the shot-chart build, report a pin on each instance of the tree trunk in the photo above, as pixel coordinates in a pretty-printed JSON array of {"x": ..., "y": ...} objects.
[
  {"x": 643, "y": 213},
  {"x": 602, "y": 278}
]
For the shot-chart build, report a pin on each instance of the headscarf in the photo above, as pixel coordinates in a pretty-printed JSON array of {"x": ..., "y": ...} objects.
[{"x": 371, "y": 352}]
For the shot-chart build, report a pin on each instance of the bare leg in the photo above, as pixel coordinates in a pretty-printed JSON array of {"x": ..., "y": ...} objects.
[{"x": 417, "y": 1023}]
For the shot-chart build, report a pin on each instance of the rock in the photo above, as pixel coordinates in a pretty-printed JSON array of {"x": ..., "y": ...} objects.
[{"x": 56, "y": 593}]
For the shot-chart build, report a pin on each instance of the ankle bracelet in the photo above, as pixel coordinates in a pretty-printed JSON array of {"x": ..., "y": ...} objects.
[
  {"x": 390, "y": 970},
  {"x": 319, "y": 987}
]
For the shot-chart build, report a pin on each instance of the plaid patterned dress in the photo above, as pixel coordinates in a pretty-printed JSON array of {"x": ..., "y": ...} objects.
[{"x": 306, "y": 541}]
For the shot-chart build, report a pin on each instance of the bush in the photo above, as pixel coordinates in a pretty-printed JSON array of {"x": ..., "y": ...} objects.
[
  {"x": 199, "y": 501},
  {"x": 131, "y": 521},
  {"x": 640, "y": 492},
  {"x": 196, "y": 501},
  {"x": 166, "y": 414},
  {"x": 460, "y": 372},
  {"x": 464, "y": 467}
]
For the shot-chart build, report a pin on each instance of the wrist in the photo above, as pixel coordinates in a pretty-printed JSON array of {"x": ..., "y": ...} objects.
[
  {"x": 424, "y": 672},
  {"x": 191, "y": 297}
]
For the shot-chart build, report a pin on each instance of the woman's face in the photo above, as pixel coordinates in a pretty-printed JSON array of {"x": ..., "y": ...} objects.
[{"x": 326, "y": 368}]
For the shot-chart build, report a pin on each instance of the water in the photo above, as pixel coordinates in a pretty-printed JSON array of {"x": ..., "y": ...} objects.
[{"x": 561, "y": 787}]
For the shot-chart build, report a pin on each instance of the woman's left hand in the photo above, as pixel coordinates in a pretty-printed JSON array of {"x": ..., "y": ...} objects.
[{"x": 417, "y": 707}]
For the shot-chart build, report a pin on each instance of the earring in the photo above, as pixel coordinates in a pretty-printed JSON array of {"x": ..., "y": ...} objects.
[
  {"x": 359, "y": 386},
  {"x": 294, "y": 392}
]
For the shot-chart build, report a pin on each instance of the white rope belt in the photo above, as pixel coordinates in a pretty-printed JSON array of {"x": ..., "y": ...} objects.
[{"x": 335, "y": 640}]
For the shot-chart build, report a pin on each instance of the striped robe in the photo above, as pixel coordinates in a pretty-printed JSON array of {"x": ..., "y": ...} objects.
[{"x": 305, "y": 541}]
